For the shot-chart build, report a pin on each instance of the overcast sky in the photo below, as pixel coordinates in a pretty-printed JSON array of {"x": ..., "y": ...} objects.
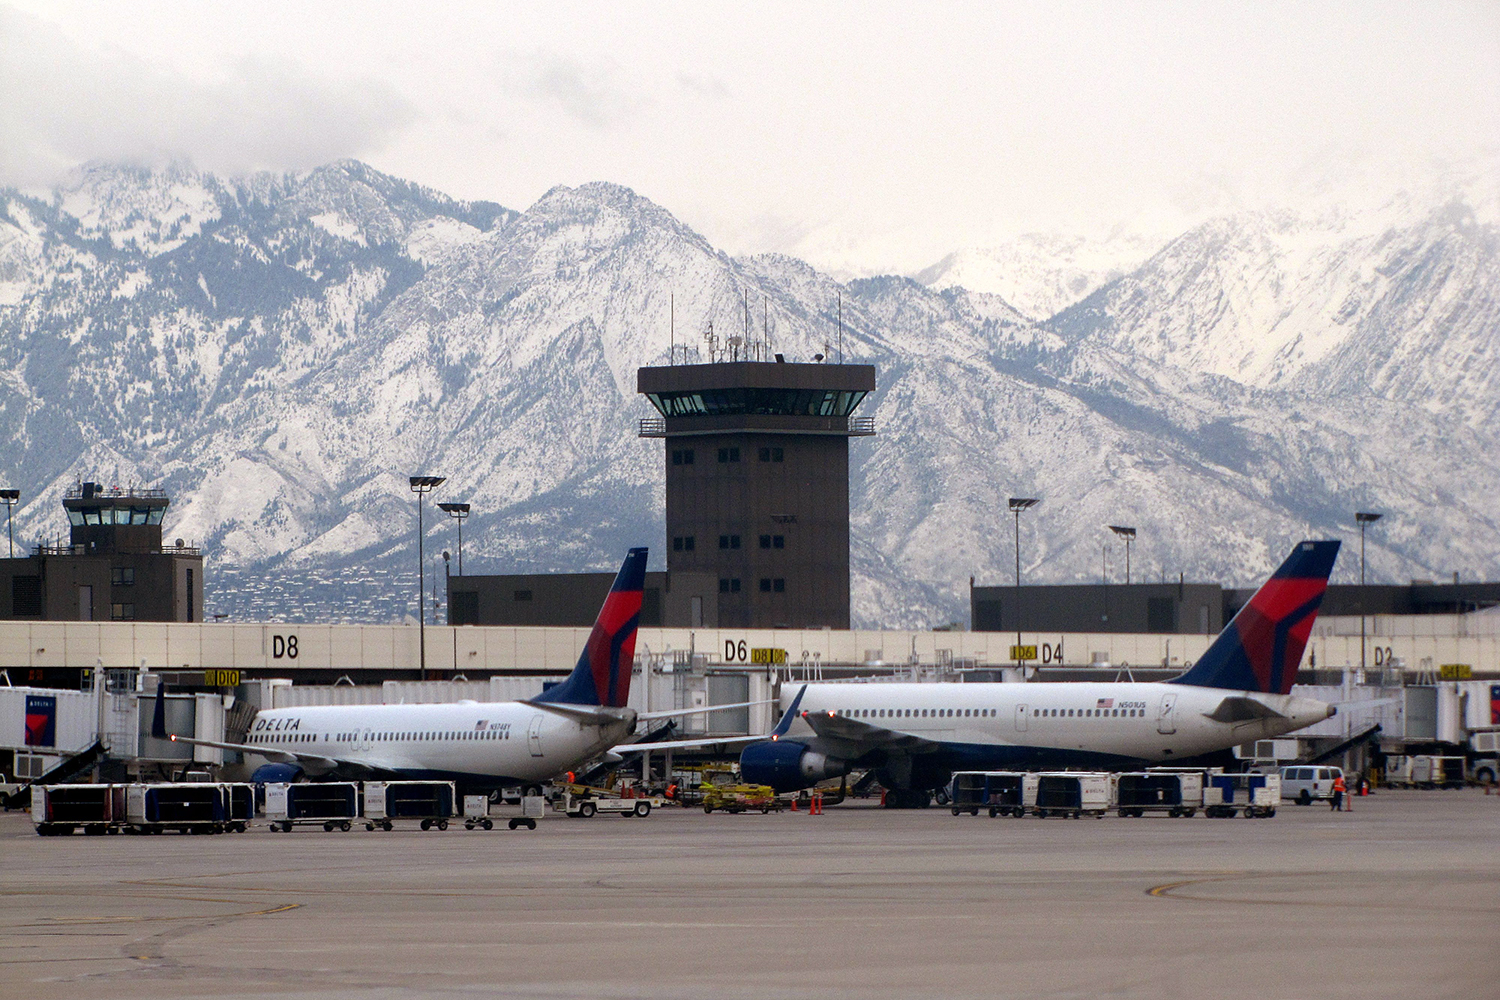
[{"x": 863, "y": 136}]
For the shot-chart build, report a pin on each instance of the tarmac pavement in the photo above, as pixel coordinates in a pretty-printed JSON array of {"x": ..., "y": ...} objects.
[{"x": 1400, "y": 898}]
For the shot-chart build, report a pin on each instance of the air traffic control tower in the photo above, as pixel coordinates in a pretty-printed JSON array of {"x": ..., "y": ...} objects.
[{"x": 757, "y": 471}]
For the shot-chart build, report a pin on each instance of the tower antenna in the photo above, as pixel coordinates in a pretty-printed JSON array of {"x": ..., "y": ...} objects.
[
  {"x": 841, "y": 326},
  {"x": 672, "y": 326}
]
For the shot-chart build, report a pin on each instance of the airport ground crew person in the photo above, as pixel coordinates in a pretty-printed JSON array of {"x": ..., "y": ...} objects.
[{"x": 1336, "y": 804}]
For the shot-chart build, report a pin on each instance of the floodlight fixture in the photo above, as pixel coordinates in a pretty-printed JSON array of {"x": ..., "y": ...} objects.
[
  {"x": 1129, "y": 535},
  {"x": 10, "y": 498},
  {"x": 1018, "y": 504},
  {"x": 458, "y": 511},
  {"x": 421, "y": 486},
  {"x": 1362, "y": 518}
]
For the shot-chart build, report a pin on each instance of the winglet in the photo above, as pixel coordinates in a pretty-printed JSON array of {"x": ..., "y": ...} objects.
[
  {"x": 159, "y": 717},
  {"x": 789, "y": 715}
]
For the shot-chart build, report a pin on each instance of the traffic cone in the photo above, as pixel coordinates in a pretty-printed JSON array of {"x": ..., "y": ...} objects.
[
  {"x": 794, "y": 803},
  {"x": 815, "y": 807}
]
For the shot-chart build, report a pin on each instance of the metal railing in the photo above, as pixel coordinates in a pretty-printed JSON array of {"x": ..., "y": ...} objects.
[
  {"x": 653, "y": 427},
  {"x": 861, "y": 426}
]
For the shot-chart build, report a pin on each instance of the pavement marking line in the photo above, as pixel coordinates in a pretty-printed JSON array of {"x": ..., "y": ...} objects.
[
  {"x": 1168, "y": 891},
  {"x": 76, "y": 921}
]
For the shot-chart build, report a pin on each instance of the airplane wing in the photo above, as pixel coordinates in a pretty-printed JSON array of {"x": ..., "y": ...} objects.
[
  {"x": 721, "y": 741},
  {"x": 677, "y": 713},
  {"x": 697, "y": 744},
  {"x": 579, "y": 713},
  {"x": 864, "y": 737},
  {"x": 315, "y": 763},
  {"x": 278, "y": 755}
]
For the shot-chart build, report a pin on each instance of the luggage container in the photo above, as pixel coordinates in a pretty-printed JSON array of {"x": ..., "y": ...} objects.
[
  {"x": 1252, "y": 794},
  {"x": 1002, "y": 793},
  {"x": 334, "y": 804},
  {"x": 431, "y": 802},
  {"x": 477, "y": 812},
  {"x": 240, "y": 805},
  {"x": 1176, "y": 793},
  {"x": 186, "y": 808},
  {"x": 1070, "y": 793},
  {"x": 58, "y": 810}
]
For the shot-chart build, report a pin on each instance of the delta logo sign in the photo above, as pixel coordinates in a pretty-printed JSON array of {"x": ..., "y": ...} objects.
[{"x": 41, "y": 720}]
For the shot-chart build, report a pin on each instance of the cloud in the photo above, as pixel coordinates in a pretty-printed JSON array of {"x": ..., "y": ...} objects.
[
  {"x": 593, "y": 95},
  {"x": 65, "y": 104}
]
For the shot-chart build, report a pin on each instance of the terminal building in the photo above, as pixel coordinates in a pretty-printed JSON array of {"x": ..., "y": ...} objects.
[
  {"x": 114, "y": 567},
  {"x": 1196, "y": 608},
  {"x": 756, "y": 462}
]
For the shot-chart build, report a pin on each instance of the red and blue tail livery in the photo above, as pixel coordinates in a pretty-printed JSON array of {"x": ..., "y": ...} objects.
[
  {"x": 1261, "y": 649},
  {"x": 602, "y": 676}
]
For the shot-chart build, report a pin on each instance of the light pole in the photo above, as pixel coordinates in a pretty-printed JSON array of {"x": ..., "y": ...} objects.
[
  {"x": 1363, "y": 517},
  {"x": 421, "y": 486},
  {"x": 1129, "y": 535},
  {"x": 1018, "y": 504},
  {"x": 10, "y": 498},
  {"x": 459, "y": 511}
]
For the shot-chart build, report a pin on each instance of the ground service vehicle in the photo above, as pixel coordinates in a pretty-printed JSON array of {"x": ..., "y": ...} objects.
[
  {"x": 583, "y": 802},
  {"x": 1304, "y": 783}
]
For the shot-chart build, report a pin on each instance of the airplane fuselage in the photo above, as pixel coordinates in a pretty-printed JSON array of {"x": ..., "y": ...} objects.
[
  {"x": 1034, "y": 726},
  {"x": 482, "y": 745}
]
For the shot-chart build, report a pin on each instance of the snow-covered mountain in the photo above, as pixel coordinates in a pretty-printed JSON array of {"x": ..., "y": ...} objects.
[
  {"x": 1041, "y": 274},
  {"x": 280, "y": 352}
]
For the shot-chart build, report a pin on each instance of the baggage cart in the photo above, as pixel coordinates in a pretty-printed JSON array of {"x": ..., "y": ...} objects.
[
  {"x": 186, "y": 808},
  {"x": 1175, "y": 793},
  {"x": 1250, "y": 794},
  {"x": 1001, "y": 793},
  {"x": 1070, "y": 793},
  {"x": 533, "y": 808},
  {"x": 477, "y": 812},
  {"x": 333, "y": 804},
  {"x": 430, "y": 802},
  {"x": 59, "y": 810},
  {"x": 240, "y": 804}
]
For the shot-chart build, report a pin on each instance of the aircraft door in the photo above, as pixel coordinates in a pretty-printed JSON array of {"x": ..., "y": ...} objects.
[
  {"x": 534, "y": 735},
  {"x": 1021, "y": 717},
  {"x": 1166, "y": 722},
  {"x": 364, "y": 738}
]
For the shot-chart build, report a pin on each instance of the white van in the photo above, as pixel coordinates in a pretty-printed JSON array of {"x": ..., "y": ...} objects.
[{"x": 1303, "y": 784}]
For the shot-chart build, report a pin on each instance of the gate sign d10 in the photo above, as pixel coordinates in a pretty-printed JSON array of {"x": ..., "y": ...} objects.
[
  {"x": 1019, "y": 653},
  {"x": 221, "y": 678},
  {"x": 768, "y": 655}
]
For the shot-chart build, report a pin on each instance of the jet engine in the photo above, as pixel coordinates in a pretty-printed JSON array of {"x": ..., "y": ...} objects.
[
  {"x": 788, "y": 766},
  {"x": 268, "y": 774}
]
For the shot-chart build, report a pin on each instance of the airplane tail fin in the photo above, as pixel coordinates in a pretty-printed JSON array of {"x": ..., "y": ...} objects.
[
  {"x": 602, "y": 676},
  {"x": 159, "y": 716},
  {"x": 1261, "y": 649}
]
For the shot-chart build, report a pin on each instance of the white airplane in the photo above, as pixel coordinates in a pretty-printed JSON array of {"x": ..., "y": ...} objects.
[
  {"x": 482, "y": 746},
  {"x": 913, "y": 736}
]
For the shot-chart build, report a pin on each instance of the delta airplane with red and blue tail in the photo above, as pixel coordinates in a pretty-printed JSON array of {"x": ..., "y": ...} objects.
[
  {"x": 913, "y": 736},
  {"x": 483, "y": 746}
]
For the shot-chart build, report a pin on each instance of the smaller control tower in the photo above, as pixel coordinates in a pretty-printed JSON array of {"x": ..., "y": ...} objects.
[
  {"x": 757, "y": 473},
  {"x": 114, "y": 567}
]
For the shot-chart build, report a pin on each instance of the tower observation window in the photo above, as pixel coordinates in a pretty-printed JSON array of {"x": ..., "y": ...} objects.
[{"x": 740, "y": 401}]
